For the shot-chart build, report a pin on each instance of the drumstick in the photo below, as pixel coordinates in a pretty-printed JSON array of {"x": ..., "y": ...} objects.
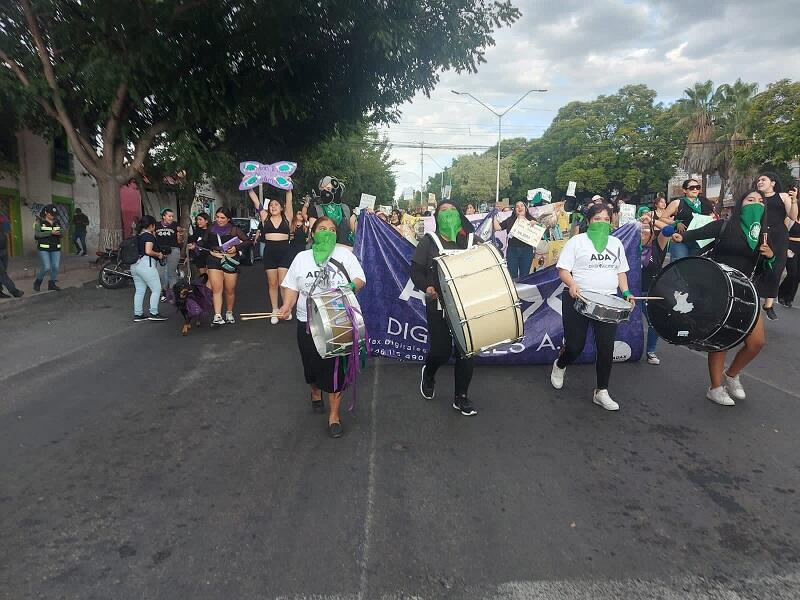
[
  {"x": 259, "y": 314},
  {"x": 647, "y": 298},
  {"x": 243, "y": 318}
]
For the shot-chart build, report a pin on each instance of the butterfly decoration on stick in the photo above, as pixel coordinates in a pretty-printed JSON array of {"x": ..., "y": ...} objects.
[{"x": 277, "y": 174}]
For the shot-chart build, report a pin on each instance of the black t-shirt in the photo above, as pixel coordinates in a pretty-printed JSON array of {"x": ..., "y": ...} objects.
[
  {"x": 423, "y": 268},
  {"x": 144, "y": 237},
  {"x": 167, "y": 235}
]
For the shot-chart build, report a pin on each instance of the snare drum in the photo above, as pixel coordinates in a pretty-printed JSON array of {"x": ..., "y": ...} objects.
[
  {"x": 603, "y": 307},
  {"x": 707, "y": 306},
  {"x": 479, "y": 299},
  {"x": 332, "y": 325}
]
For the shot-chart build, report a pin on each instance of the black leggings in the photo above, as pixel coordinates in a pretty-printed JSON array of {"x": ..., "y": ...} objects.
[
  {"x": 788, "y": 289},
  {"x": 575, "y": 328},
  {"x": 441, "y": 347}
]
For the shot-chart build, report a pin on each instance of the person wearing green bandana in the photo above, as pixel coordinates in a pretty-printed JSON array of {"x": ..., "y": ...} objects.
[
  {"x": 329, "y": 204},
  {"x": 326, "y": 265},
  {"x": 593, "y": 261},
  {"x": 453, "y": 232},
  {"x": 682, "y": 211},
  {"x": 738, "y": 245}
]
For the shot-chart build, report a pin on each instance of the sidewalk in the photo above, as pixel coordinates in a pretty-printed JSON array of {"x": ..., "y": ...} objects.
[{"x": 75, "y": 271}]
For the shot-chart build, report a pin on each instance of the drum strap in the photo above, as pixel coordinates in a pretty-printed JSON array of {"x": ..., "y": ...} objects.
[
  {"x": 341, "y": 268},
  {"x": 437, "y": 241}
]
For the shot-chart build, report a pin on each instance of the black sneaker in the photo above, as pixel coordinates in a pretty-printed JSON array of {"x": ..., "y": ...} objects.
[
  {"x": 463, "y": 404},
  {"x": 335, "y": 430},
  {"x": 427, "y": 387},
  {"x": 157, "y": 317},
  {"x": 51, "y": 286},
  {"x": 785, "y": 303},
  {"x": 770, "y": 313},
  {"x": 37, "y": 285},
  {"x": 18, "y": 293},
  {"x": 139, "y": 318},
  {"x": 4, "y": 295},
  {"x": 318, "y": 406}
]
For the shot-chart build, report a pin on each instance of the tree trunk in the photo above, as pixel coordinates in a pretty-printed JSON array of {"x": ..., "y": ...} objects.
[
  {"x": 721, "y": 203},
  {"x": 110, "y": 213}
]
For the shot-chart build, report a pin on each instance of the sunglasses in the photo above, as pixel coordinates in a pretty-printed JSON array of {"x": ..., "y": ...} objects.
[{"x": 694, "y": 187}]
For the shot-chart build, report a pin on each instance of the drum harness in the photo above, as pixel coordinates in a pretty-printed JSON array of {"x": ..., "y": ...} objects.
[
  {"x": 359, "y": 350},
  {"x": 443, "y": 252}
]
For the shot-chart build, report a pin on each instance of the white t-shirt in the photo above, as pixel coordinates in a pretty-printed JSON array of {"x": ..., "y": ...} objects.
[
  {"x": 592, "y": 270},
  {"x": 304, "y": 271}
]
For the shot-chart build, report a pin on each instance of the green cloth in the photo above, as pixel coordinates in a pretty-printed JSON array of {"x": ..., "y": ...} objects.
[
  {"x": 750, "y": 222},
  {"x": 598, "y": 232},
  {"x": 695, "y": 204},
  {"x": 323, "y": 245},
  {"x": 449, "y": 223},
  {"x": 334, "y": 212}
]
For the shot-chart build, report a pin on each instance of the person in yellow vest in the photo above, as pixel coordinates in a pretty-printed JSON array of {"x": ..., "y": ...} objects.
[{"x": 48, "y": 232}]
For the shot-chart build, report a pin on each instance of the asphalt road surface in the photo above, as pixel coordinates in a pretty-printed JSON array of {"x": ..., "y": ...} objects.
[{"x": 138, "y": 464}]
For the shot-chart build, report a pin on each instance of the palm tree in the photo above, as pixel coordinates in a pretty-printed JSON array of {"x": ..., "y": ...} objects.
[
  {"x": 735, "y": 101},
  {"x": 700, "y": 111}
]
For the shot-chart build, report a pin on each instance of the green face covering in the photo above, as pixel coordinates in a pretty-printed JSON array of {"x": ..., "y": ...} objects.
[
  {"x": 598, "y": 233},
  {"x": 750, "y": 223},
  {"x": 695, "y": 204},
  {"x": 324, "y": 243},
  {"x": 449, "y": 223},
  {"x": 333, "y": 211}
]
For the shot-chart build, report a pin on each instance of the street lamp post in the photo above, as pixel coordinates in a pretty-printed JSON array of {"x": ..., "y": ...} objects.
[
  {"x": 499, "y": 116},
  {"x": 441, "y": 173}
]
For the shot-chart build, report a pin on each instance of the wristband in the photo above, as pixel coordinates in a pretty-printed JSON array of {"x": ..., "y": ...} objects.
[
  {"x": 627, "y": 294},
  {"x": 352, "y": 286}
]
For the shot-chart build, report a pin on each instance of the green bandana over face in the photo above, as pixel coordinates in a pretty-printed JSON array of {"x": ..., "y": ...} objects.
[
  {"x": 334, "y": 212},
  {"x": 324, "y": 243},
  {"x": 598, "y": 233},
  {"x": 750, "y": 223},
  {"x": 449, "y": 223},
  {"x": 695, "y": 204}
]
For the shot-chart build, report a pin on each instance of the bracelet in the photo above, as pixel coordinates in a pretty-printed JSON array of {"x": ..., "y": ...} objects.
[{"x": 627, "y": 294}]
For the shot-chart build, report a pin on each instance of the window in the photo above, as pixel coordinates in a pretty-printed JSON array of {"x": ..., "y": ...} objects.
[{"x": 62, "y": 160}]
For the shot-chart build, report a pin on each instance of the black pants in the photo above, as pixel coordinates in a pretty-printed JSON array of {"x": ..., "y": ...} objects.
[
  {"x": 441, "y": 348},
  {"x": 788, "y": 289},
  {"x": 5, "y": 280},
  {"x": 326, "y": 373},
  {"x": 575, "y": 328}
]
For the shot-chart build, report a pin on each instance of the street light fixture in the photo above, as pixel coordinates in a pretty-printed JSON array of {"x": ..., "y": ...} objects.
[{"x": 499, "y": 116}]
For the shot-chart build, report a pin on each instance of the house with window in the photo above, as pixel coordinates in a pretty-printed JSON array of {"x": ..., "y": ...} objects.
[{"x": 34, "y": 172}]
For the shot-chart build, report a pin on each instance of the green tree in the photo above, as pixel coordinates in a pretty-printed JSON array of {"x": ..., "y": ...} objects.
[
  {"x": 733, "y": 107},
  {"x": 261, "y": 79},
  {"x": 699, "y": 110}
]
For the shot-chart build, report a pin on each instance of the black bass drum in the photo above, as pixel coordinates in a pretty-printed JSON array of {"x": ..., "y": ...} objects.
[{"x": 707, "y": 306}]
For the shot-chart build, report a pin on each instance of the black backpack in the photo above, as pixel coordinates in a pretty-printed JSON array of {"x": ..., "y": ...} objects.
[{"x": 129, "y": 250}]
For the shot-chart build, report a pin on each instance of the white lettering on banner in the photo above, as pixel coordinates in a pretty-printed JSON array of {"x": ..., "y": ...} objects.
[
  {"x": 554, "y": 301},
  {"x": 411, "y": 292},
  {"x": 529, "y": 293},
  {"x": 417, "y": 333},
  {"x": 546, "y": 343},
  {"x": 514, "y": 348}
]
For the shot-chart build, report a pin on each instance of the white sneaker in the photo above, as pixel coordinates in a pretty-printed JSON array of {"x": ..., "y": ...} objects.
[
  {"x": 557, "y": 376},
  {"x": 720, "y": 396},
  {"x": 602, "y": 398},
  {"x": 229, "y": 317},
  {"x": 734, "y": 387},
  {"x": 652, "y": 359},
  {"x": 218, "y": 320},
  {"x": 274, "y": 320}
]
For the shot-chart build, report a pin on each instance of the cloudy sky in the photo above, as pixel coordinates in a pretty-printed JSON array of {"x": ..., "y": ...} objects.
[{"x": 578, "y": 50}]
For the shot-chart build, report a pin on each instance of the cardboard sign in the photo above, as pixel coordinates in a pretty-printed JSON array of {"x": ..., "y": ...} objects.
[
  {"x": 367, "y": 201},
  {"x": 528, "y": 232},
  {"x": 697, "y": 222},
  {"x": 446, "y": 192},
  {"x": 571, "y": 188},
  {"x": 627, "y": 214},
  {"x": 387, "y": 210}
]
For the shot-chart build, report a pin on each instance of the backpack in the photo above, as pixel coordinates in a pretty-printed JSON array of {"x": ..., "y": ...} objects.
[{"x": 129, "y": 250}]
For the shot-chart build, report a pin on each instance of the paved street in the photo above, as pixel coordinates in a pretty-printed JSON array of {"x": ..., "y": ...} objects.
[{"x": 138, "y": 464}]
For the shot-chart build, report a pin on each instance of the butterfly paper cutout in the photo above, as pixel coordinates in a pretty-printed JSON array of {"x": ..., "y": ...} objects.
[{"x": 277, "y": 174}]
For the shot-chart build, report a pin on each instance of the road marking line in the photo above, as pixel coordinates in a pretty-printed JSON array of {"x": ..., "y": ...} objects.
[{"x": 368, "y": 517}]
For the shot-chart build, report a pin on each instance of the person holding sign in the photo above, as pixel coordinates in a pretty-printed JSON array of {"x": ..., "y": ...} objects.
[
  {"x": 592, "y": 261},
  {"x": 740, "y": 245},
  {"x": 519, "y": 253},
  {"x": 682, "y": 211}
]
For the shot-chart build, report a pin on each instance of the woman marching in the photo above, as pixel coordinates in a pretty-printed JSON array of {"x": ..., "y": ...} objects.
[
  {"x": 779, "y": 207},
  {"x": 788, "y": 289},
  {"x": 453, "y": 232},
  {"x": 592, "y": 261},
  {"x": 738, "y": 245},
  {"x": 519, "y": 255},
  {"x": 274, "y": 232},
  {"x": 336, "y": 267},
  {"x": 299, "y": 236},
  {"x": 223, "y": 268},
  {"x": 199, "y": 257}
]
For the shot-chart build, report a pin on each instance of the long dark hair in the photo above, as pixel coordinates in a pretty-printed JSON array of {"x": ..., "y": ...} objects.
[
  {"x": 596, "y": 209},
  {"x": 773, "y": 177},
  {"x": 224, "y": 211},
  {"x": 736, "y": 211},
  {"x": 202, "y": 215},
  {"x": 144, "y": 222},
  {"x": 514, "y": 213}
]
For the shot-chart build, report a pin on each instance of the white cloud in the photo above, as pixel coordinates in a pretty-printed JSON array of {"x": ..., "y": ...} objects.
[{"x": 578, "y": 50}]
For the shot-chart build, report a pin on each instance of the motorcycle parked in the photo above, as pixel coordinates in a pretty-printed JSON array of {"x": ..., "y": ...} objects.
[{"x": 114, "y": 274}]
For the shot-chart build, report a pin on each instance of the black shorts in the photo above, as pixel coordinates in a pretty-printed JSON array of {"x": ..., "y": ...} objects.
[
  {"x": 200, "y": 260},
  {"x": 317, "y": 370},
  {"x": 213, "y": 264},
  {"x": 276, "y": 255}
]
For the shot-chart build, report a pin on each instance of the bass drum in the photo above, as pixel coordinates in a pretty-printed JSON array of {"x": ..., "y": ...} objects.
[{"x": 707, "y": 306}]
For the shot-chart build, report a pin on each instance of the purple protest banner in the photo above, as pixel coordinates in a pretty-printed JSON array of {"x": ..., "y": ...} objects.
[{"x": 395, "y": 311}]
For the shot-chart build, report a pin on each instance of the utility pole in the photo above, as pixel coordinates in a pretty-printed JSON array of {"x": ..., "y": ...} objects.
[{"x": 421, "y": 173}]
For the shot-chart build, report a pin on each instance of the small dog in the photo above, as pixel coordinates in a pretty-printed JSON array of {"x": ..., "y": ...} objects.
[{"x": 192, "y": 299}]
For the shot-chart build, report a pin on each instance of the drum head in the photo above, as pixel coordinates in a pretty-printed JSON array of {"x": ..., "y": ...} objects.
[
  {"x": 696, "y": 301},
  {"x": 606, "y": 300}
]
